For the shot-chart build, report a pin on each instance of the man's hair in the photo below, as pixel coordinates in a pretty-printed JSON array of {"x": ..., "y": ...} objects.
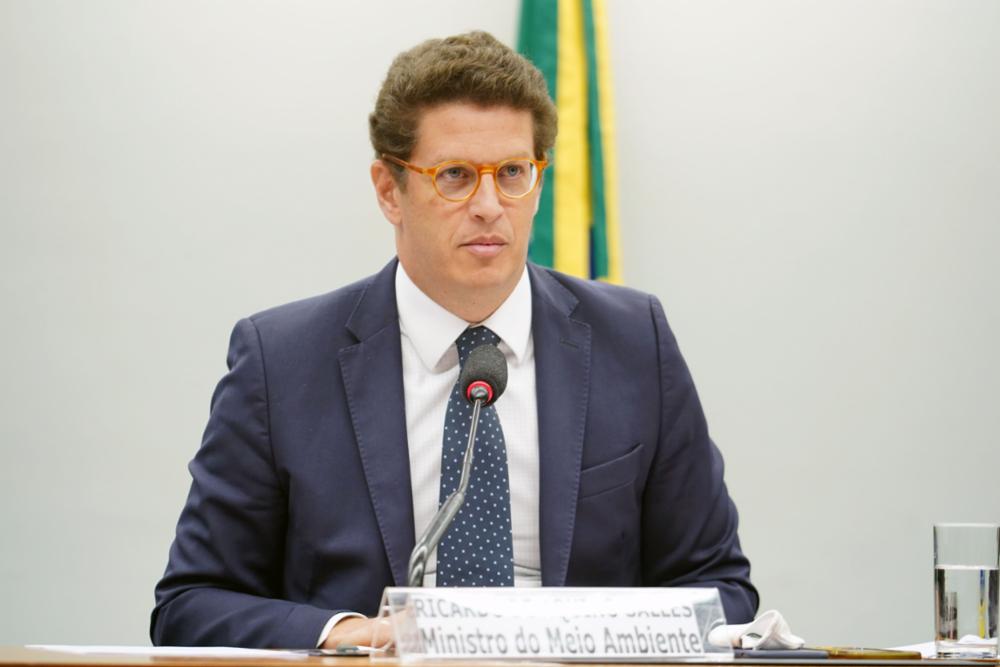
[{"x": 473, "y": 67}]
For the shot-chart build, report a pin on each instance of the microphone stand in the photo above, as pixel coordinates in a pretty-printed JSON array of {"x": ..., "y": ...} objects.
[{"x": 428, "y": 542}]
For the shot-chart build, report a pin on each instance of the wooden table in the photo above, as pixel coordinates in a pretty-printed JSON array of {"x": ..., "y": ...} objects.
[
  {"x": 14, "y": 656},
  {"x": 10, "y": 656}
]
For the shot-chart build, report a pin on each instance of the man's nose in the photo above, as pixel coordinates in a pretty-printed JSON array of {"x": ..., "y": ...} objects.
[{"x": 485, "y": 204}]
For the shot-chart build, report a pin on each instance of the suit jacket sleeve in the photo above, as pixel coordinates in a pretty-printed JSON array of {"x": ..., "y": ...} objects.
[
  {"x": 223, "y": 581},
  {"x": 689, "y": 521}
]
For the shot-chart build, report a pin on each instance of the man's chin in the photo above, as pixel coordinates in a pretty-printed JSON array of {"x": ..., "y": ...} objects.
[{"x": 491, "y": 275}]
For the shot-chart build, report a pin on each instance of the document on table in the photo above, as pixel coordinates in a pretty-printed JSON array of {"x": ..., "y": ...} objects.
[
  {"x": 927, "y": 649},
  {"x": 171, "y": 651}
]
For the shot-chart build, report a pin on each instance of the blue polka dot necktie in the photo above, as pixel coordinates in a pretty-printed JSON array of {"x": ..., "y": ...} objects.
[{"x": 477, "y": 549}]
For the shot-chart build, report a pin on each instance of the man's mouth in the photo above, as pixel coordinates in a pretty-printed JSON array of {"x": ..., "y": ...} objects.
[{"x": 485, "y": 247}]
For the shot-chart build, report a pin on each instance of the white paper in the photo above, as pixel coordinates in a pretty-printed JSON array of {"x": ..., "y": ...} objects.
[
  {"x": 927, "y": 649},
  {"x": 170, "y": 651}
]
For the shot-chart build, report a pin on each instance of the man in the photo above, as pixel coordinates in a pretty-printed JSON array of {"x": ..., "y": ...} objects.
[{"x": 327, "y": 450}]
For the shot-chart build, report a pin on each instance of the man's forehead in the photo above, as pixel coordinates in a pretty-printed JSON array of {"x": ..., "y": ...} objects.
[{"x": 466, "y": 131}]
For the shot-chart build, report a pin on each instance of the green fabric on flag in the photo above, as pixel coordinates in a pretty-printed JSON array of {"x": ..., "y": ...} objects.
[
  {"x": 598, "y": 206},
  {"x": 538, "y": 40}
]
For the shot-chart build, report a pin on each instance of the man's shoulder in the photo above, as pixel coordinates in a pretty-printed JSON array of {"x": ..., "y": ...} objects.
[
  {"x": 621, "y": 320},
  {"x": 589, "y": 299},
  {"x": 336, "y": 304},
  {"x": 327, "y": 314}
]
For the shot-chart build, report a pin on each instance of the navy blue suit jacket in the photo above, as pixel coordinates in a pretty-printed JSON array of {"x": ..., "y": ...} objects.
[{"x": 300, "y": 504}]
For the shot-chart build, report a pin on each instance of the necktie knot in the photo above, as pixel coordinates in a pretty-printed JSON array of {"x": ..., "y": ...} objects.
[{"x": 472, "y": 338}]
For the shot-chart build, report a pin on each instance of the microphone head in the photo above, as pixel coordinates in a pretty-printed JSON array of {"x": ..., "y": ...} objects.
[{"x": 484, "y": 375}]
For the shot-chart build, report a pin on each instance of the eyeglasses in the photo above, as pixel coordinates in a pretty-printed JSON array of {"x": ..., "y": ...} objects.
[{"x": 457, "y": 180}]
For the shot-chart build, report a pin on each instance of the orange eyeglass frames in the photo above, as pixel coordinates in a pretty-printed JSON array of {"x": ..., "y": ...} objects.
[{"x": 458, "y": 180}]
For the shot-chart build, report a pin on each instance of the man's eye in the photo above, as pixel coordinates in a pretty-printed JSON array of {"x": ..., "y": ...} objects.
[
  {"x": 455, "y": 173},
  {"x": 511, "y": 171}
]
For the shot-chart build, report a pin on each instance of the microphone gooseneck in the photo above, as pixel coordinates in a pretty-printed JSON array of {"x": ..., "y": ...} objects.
[{"x": 482, "y": 380}]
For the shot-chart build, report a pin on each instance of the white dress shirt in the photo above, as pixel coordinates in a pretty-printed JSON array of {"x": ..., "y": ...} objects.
[{"x": 430, "y": 370}]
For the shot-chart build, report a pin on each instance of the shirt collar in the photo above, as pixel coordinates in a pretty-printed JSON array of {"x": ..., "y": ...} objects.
[{"x": 434, "y": 330}]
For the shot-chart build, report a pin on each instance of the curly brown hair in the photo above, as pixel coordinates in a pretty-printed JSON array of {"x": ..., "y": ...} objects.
[{"x": 472, "y": 67}]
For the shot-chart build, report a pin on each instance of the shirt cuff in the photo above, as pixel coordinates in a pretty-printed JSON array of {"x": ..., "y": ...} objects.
[{"x": 337, "y": 618}]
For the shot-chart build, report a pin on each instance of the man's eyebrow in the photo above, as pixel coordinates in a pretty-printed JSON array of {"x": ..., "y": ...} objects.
[{"x": 513, "y": 156}]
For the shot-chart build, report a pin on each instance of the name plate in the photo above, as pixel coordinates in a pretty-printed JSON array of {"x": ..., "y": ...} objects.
[{"x": 605, "y": 624}]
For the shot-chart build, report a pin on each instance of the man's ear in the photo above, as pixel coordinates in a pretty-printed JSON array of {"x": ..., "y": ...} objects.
[{"x": 387, "y": 191}]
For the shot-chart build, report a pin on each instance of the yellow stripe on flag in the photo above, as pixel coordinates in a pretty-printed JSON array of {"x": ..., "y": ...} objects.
[{"x": 572, "y": 168}]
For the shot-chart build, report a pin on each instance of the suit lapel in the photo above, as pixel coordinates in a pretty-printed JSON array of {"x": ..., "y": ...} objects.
[
  {"x": 562, "y": 377},
  {"x": 373, "y": 381},
  {"x": 372, "y": 372}
]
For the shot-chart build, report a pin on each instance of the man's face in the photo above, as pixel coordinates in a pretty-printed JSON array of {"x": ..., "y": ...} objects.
[{"x": 469, "y": 255}]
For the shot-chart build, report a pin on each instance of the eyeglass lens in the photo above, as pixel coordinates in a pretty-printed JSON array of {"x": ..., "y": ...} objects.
[{"x": 514, "y": 178}]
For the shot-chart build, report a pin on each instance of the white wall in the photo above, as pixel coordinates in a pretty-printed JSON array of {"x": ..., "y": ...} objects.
[{"x": 812, "y": 188}]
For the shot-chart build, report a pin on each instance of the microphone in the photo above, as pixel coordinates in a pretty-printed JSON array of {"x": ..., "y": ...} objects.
[
  {"x": 483, "y": 379},
  {"x": 484, "y": 376}
]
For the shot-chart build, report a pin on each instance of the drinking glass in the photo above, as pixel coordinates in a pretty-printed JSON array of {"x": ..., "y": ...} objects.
[{"x": 966, "y": 556}]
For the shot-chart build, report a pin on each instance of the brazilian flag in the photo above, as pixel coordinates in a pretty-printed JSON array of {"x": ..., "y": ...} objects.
[{"x": 576, "y": 229}]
